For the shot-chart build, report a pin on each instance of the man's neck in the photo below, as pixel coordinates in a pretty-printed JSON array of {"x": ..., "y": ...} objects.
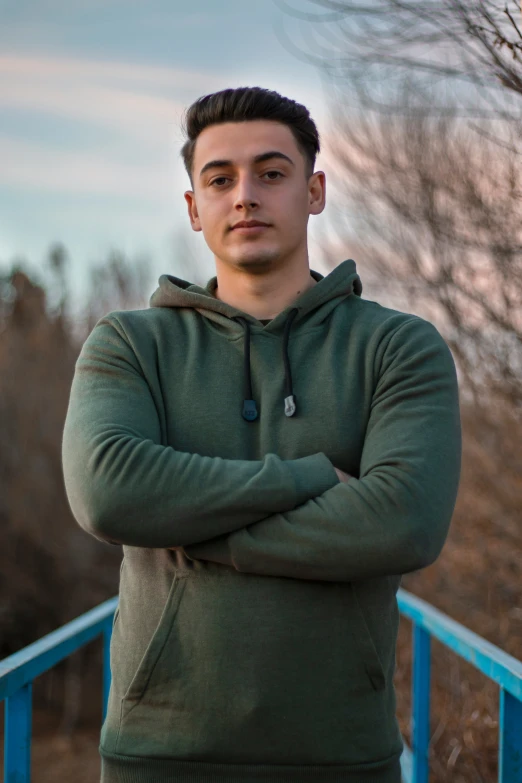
[{"x": 263, "y": 297}]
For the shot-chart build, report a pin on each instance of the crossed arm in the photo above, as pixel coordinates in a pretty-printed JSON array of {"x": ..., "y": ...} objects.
[
  {"x": 395, "y": 517},
  {"x": 275, "y": 517}
]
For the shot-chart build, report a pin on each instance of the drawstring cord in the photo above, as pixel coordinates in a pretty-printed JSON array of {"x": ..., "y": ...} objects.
[{"x": 250, "y": 412}]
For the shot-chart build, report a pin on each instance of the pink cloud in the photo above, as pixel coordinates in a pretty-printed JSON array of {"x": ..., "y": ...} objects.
[
  {"x": 115, "y": 96},
  {"x": 118, "y": 97}
]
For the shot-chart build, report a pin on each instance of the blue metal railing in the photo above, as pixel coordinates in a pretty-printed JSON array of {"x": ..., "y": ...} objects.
[
  {"x": 500, "y": 667},
  {"x": 18, "y": 671}
]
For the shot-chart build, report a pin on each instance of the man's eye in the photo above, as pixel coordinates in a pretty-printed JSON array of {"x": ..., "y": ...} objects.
[{"x": 214, "y": 181}]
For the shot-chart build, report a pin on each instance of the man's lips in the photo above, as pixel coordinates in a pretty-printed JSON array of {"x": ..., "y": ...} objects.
[{"x": 249, "y": 229}]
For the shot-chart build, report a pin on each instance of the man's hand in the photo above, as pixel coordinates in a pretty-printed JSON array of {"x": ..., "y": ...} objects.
[{"x": 345, "y": 477}]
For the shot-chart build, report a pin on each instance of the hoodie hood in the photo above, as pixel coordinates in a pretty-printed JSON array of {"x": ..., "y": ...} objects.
[{"x": 309, "y": 309}]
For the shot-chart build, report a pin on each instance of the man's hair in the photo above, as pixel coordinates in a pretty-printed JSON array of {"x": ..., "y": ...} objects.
[{"x": 249, "y": 103}]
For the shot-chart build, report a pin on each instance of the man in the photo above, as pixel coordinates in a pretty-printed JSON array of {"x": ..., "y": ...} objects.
[{"x": 273, "y": 452}]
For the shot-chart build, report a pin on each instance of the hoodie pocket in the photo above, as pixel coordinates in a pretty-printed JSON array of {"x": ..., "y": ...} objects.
[
  {"x": 245, "y": 669},
  {"x": 141, "y": 678},
  {"x": 366, "y": 644}
]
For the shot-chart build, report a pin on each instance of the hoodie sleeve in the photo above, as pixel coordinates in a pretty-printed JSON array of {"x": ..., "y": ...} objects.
[
  {"x": 395, "y": 517},
  {"x": 124, "y": 487}
]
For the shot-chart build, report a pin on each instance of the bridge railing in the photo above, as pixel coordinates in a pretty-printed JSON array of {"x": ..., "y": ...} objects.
[
  {"x": 18, "y": 671},
  {"x": 506, "y": 671}
]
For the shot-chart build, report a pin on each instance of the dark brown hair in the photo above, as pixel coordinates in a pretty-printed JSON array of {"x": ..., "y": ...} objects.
[{"x": 249, "y": 103}]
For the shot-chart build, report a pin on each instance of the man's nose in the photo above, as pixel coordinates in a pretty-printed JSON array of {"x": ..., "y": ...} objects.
[{"x": 246, "y": 192}]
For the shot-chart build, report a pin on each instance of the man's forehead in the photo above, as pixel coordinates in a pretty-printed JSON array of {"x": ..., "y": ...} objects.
[{"x": 242, "y": 141}]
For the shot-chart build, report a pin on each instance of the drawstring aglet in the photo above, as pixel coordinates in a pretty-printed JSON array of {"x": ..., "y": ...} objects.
[
  {"x": 249, "y": 410},
  {"x": 290, "y": 405}
]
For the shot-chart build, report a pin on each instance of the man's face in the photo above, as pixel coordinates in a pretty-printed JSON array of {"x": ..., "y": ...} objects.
[{"x": 274, "y": 191}]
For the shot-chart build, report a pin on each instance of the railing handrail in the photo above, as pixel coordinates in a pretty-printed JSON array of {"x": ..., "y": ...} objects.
[
  {"x": 26, "y": 664},
  {"x": 498, "y": 665}
]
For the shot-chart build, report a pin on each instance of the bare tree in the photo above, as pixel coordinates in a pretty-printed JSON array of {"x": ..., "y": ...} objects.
[
  {"x": 470, "y": 50},
  {"x": 116, "y": 283},
  {"x": 438, "y": 210}
]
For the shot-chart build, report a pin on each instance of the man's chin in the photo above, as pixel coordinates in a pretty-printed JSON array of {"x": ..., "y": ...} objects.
[{"x": 252, "y": 259}]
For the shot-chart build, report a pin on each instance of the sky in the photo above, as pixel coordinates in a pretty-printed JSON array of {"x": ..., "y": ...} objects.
[{"x": 91, "y": 97}]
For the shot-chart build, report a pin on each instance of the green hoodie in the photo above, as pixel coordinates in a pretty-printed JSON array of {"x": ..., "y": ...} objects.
[{"x": 263, "y": 649}]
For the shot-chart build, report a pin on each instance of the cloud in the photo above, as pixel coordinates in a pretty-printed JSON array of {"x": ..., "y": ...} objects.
[
  {"x": 103, "y": 70},
  {"x": 124, "y": 99}
]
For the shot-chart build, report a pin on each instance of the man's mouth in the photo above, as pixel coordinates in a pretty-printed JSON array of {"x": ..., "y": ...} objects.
[{"x": 249, "y": 229}]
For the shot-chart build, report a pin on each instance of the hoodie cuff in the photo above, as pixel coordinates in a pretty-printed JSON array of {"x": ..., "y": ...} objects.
[{"x": 312, "y": 475}]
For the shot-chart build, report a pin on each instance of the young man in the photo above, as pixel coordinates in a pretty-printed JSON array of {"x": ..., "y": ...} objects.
[{"x": 273, "y": 452}]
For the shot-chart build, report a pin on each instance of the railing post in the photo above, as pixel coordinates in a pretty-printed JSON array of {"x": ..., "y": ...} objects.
[
  {"x": 17, "y": 735},
  {"x": 420, "y": 714},
  {"x": 107, "y": 634},
  {"x": 509, "y": 739}
]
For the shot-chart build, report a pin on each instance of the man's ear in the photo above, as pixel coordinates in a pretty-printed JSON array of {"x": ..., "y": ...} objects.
[
  {"x": 317, "y": 192},
  {"x": 192, "y": 210}
]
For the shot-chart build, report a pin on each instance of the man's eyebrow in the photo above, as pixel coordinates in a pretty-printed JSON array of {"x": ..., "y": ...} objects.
[{"x": 213, "y": 164}]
